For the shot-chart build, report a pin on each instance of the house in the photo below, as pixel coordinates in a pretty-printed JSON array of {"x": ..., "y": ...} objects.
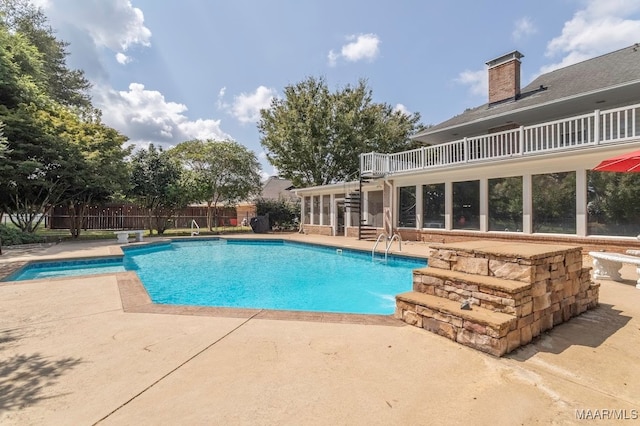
[
  {"x": 517, "y": 167},
  {"x": 274, "y": 188}
]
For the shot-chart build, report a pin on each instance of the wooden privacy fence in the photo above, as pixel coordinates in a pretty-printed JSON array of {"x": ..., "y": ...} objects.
[{"x": 130, "y": 216}]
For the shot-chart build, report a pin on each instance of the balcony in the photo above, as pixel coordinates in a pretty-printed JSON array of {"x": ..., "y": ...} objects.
[{"x": 580, "y": 132}]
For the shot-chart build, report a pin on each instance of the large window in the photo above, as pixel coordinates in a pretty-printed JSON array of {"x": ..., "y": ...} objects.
[
  {"x": 466, "y": 205},
  {"x": 316, "y": 210},
  {"x": 554, "y": 203},
  {"x": 374, "y": 206},
  {"x": 433, "y": 205},
  {"x": 613, "y": 203},
  {"x": 407, "y": 206},
  {"x": 307, "y": 210},
  {"x": 326, "y": 206},
  {"x": 505, "y": 204}
]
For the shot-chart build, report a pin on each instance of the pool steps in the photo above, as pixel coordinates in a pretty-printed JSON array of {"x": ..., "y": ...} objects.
[{"x": 515, "y": 293}]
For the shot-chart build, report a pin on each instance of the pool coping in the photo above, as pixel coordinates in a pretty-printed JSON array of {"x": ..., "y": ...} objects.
[{"x": 135, "y": 298}]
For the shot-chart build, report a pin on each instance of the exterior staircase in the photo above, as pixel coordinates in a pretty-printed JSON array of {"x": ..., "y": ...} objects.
[
  {"x": 354, "y": 201},
  {"x": 495, "y": 296}
]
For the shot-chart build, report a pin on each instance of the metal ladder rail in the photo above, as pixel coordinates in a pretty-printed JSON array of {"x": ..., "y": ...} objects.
[
  {"x": 373, "y": 251},
  {"x": 197, "y": 231},
  {"x": 395, "y": 236}
]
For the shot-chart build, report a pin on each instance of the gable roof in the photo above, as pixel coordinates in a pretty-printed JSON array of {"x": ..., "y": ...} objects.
[
  {"x": 597, "y": 83},
  {"x": 276, "y": 187}
]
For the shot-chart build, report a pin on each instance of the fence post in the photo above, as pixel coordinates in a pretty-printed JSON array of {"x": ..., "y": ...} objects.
[{"x": 521, "y": 141}]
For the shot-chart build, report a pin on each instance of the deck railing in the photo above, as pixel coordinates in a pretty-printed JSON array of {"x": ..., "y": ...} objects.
[{"x": 593, "y": 129}]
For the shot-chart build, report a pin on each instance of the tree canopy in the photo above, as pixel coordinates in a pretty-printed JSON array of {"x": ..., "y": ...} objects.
[
  {"x": 56, "y": 149},
  {"x": 314, "y": 136},
  {"x": 222, "y": 172},
  {"x": 156, "y": 184}
]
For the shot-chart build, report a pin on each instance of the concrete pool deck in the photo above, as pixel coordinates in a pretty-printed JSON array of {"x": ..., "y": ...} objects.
[{"x": 70, "y": 354}]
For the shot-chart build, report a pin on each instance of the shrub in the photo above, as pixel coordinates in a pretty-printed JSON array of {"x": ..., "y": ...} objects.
[{"x": 11, "y": 235}]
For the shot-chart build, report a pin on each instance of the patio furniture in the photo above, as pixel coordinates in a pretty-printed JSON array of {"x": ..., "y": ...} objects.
[
  {"x": 607, "y": 265},
  {"x": 123, "y": 236}
]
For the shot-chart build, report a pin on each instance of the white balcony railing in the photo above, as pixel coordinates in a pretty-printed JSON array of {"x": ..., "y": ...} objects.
[{"x": 597, "y": 128}]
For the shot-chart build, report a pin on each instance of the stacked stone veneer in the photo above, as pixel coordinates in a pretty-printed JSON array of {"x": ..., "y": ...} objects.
[{"x": 516, "y": 292}]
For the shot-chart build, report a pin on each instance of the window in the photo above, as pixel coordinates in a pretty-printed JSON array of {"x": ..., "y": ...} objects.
[
  {"x": 613, "y": 203},
  {"x": 554, "y": 203},
  {"x": 326, "y": 205},
  {"x": 374, "y": 205},
  {"x": 433, "y": 205},
  {"x": 505, "y": 204},
  {"x": 466, "y": 205},
  {"x": 407, "y": 206},
  {"x": 307, "y": 210},
  {"x": 316, "y": 210}
]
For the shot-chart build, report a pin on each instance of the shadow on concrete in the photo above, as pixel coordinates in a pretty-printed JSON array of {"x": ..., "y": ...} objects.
[
  {"x": 24, "y": 377},
  {"x": 591, "y": 329}
]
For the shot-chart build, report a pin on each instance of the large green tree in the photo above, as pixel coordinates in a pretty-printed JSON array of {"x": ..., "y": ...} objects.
[
  {"x": 314, "y": 136},
  {"x": 156, "y": 184},
  {"x": 222, "y": 172},
  {"x": 57, "y": 150}
]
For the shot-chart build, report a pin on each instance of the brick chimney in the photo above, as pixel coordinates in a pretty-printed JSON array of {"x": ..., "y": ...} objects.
[{"x": 504, "y": 77}]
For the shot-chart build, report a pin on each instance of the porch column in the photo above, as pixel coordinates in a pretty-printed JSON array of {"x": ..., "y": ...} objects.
[
  {"x": 321, "y": 215},
  {"x": 419, "y": 206},
  {"x": 448, "y": 205},
  {"x": 582, "y": 216},
  {"x": 484, "y": 205},
  {"x": 527, "y": 204}
]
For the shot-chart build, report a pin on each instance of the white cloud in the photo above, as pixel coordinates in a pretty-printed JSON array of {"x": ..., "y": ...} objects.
[
  {"x": 523, "y": 27},
  {"x": 360, "y": 47},
  {"x": 115, "y": 24},
  {"x": 146, "y": 116},
  {"x": 246, "y": 106},
  {"x": 333, "y": 58},
  {"x": 476, "y": 80},
  {"x": 601, "y": 27},
  {"x": 122, "y": 58},
  {"x": 403, "y": 109}
]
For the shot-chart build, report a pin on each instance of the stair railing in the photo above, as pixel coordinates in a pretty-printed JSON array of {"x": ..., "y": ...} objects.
[
  {"x": 388, "y": 243},
  {"x": 373, "y": 251},
  {"x": 197, "y": 228}
]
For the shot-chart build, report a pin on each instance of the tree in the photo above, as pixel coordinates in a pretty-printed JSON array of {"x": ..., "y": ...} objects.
[
  {"x": 222, "y": 172},
  {"x": 281, "y": 212},
  {"x": 98, "y": 166},
  {"x": 314, "y": 137},
  {"x": 68, "y": 87},
  {"x": 34, "y": 171},
  {"x": 156, "y": 185}
]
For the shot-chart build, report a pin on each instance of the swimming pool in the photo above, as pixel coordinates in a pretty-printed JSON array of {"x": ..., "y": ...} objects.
[{"x": 263, "y": 274}]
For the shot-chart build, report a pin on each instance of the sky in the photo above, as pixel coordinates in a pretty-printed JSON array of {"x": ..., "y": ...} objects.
[{"x": 167, "y": 71}]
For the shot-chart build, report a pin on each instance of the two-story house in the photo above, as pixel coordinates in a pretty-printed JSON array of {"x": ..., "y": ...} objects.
[{"x": 519, "y": 166}]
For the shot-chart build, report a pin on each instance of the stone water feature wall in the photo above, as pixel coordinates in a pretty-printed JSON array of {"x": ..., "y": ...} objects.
[{"x": 514, "y": 292}]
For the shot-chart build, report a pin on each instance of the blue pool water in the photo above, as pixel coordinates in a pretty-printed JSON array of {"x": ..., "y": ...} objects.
[{"x": 268, "y": 275}]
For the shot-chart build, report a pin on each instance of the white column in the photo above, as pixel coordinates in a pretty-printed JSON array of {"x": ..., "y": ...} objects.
[
  {"x": 484, "y": 205},
  {"x": 527, "y": 204},
  {"x": 419, "y": 206},
  {"x": 321, "y": 210},
  {"x": 581, "y": 203},
  {"x": 313, "y": 209},
  {"x": 448, "y": 205}
]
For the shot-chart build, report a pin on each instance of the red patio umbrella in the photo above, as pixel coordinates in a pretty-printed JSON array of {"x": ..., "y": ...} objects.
[{"x": 629, "y": 162}]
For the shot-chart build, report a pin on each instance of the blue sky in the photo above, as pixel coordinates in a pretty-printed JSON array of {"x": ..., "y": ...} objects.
[{"x": 168, "y": 71}]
